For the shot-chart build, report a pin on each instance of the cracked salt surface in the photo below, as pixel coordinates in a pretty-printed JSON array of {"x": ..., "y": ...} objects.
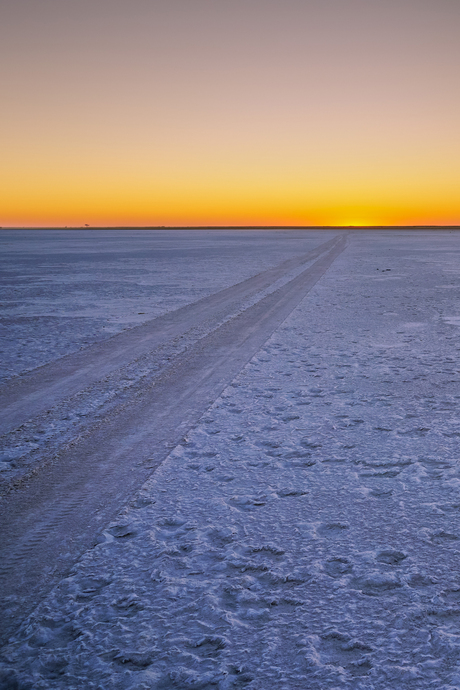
[{"x": 306, "y": 533}]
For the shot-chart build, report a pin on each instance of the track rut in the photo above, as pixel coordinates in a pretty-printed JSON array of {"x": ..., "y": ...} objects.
[
  {"x": 57, "y": 514},
  {"x": 25, "y": 396}
]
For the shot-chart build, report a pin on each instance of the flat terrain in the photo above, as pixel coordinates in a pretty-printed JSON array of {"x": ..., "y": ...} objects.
[{"x": 253, "y": 483}]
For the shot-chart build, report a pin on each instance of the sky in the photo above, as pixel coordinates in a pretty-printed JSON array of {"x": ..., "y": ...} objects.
[{"x": 229, "y": 112}]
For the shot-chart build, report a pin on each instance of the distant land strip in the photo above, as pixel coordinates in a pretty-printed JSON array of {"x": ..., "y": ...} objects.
[{"x": 232, "y": 227}]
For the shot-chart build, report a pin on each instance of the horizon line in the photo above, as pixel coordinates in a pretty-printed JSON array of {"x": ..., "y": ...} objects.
[{"x": 229, "y": 227}]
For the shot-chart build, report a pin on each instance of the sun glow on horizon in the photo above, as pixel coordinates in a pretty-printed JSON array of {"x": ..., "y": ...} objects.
[{"x": 187, "y": 114}]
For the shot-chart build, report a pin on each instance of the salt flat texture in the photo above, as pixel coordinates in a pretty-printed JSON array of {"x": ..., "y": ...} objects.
[
  {"x": 306, "y": 533},
  {"x": 63, "y": 290},
  {"x": 54, "y": 511},
  {"x": 49, "y": 405}
]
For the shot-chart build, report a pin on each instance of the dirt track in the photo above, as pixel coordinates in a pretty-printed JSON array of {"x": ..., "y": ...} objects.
[{"x": 57, "y": 513}]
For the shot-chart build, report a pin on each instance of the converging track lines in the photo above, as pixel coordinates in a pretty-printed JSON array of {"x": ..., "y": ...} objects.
[{"x": 54, "y": 516}]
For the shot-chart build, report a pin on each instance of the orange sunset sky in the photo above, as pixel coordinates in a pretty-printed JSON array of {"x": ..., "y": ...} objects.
[{"x": 222, "y": 112}]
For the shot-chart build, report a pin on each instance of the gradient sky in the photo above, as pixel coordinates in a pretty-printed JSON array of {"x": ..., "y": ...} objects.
[{"x": 190, "y": 112}]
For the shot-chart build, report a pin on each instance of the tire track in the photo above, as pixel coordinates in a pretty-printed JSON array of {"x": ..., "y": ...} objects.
[
  {"x": 57, "y": 515},
  {"x": 34, "y": 392}
]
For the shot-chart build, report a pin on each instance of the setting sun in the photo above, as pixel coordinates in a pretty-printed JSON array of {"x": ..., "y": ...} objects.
[{"x": 260, "y": 113}]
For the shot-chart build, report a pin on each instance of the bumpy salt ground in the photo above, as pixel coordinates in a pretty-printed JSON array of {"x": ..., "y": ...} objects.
[
  {"x": 63, "y": 290},
  {"x": 306, "y": 534}
]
